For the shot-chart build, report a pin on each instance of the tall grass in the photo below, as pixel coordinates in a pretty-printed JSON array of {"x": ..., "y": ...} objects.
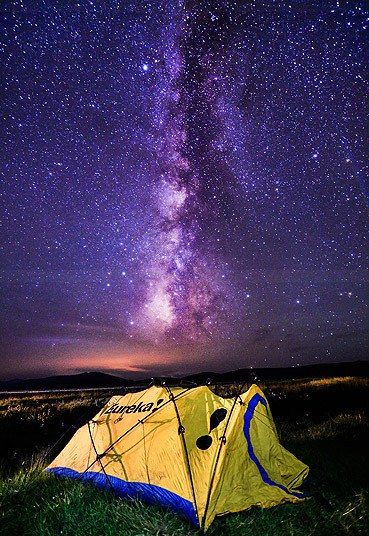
[
  {"x": 320, "y": 384},
  {"x": 30, "y": 423},
  {"x": 34, "y": 503}
]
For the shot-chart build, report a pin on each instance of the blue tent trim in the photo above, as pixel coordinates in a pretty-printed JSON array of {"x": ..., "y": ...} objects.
[
  {"x": 135, "y": 490},
  {"x": 255, "y": 400}
]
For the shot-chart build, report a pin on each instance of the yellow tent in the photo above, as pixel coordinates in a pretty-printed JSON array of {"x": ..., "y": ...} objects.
[{"x": 187, "y": 449}]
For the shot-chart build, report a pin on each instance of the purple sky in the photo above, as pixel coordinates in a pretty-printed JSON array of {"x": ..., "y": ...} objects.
[{"x": 184, "y": 188}]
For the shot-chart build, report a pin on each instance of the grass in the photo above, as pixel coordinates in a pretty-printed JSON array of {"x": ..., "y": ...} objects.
[
  {"x": 32, "y": 423},
  {"x": 324, "y": 423}
]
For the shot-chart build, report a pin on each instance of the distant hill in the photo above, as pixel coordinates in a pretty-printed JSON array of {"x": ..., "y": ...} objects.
[
  {"x": 324, "y": 370},
  {"x": 90, "y": 380},
  {"x": 86, "y": 380}
]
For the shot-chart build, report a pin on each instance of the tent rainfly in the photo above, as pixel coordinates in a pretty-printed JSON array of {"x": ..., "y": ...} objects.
[{"x": 187, "y": 449}]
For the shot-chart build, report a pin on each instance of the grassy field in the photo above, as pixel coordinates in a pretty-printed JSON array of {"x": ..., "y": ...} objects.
[{"x": 325, "y": 423}]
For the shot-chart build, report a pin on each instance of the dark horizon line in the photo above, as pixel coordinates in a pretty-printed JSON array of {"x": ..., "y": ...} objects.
[{"x": 252, "y": 369}]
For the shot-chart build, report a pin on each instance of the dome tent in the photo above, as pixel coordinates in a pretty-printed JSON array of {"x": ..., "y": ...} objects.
[{"x": 186, "y": 449}]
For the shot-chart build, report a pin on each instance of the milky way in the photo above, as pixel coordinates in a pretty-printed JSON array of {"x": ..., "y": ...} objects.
[
  {"x": 184, "y": 186},
  {"x": 187, "y": 298}
]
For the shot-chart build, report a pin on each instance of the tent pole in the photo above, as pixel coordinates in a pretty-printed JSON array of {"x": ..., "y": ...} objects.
[
  {"x": 98, "y": 458},
  {"x": 181, "y": 432},
  {"x": 222, "y": 441}
]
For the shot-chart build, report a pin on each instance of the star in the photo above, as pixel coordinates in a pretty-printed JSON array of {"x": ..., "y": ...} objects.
[{"x": 177, "y": 181}]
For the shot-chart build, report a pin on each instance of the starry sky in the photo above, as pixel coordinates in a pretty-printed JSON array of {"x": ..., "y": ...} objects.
[{"x": 184, "y": 185}]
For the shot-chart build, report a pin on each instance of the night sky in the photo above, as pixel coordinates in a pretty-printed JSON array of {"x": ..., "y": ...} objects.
[{"x": 184, "y": 185}]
